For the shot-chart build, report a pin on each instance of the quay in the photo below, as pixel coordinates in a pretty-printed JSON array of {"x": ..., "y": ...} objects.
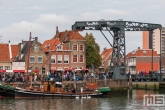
[{"x": 114, "y": 84}]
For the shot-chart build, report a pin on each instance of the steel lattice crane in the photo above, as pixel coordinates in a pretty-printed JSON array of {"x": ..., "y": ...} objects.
[{"x": 117, "y": 30}]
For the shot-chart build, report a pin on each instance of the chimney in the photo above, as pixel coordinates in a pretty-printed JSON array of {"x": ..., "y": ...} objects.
[
  {"x": 138, "y": 47},
  {"x": 105, "y": 49},
  {"x": 36, "y": 39},
  {"x": 10, "y": 53},
  {"x": 56, "y": 29}
]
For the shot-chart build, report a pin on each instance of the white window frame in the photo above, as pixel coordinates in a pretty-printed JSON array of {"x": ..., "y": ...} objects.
[
  {"x": 82, "y": 47},
  {"x": 7, "y": 67},
  {"x": 53, "y": 57},
  {"x": 1, "y": 67},
  {"x": 73, "y": 59},
  {"x": 38, "y": 59},
  {"x": 59, "y": 47},
  {"x": 36, "y": 48},
  {"x": 59, "y": 59},
  {"x": 32, "y": 56},
  {"x": 82, "y": 57},
  {"x": 66, "y": 58},
  {"x": 76, "y": 48}
]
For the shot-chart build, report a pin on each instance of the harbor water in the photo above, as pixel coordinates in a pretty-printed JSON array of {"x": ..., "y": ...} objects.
[{"x": 115, "y": 101}]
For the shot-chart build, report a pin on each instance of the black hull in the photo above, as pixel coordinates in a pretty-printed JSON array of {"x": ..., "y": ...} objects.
[
  {"x": 7, "y": 93},
  {"x": 31, "y": 94}
]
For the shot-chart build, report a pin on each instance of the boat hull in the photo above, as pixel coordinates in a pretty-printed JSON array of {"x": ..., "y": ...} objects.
[
  {"x": 7, "y": 91},
  {"x": 22, "y": 93}
]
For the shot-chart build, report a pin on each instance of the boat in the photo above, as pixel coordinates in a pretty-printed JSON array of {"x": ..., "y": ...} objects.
[
  {"x": 51, "y": 90},
  {"x": 103, "y": 89},
  {"x": 7, "y": 91}
]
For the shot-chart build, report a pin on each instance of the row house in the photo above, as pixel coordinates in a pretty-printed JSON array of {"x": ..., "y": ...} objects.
[
  {"x": 142, "y": 60},
  {"x": 8, "y": 53},
  {"x": 36, "y": 57},
  {"x": 106, "y": 55},
  {"x": 67, "y": 50},
  {"x": 137, "y": 60}
]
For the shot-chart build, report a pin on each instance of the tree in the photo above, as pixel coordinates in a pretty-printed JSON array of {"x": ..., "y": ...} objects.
[{"x": 93, "y": 58}]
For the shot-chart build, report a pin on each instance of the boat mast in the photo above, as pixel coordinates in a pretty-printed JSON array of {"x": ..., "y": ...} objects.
[{"x": 27, "y": 74}]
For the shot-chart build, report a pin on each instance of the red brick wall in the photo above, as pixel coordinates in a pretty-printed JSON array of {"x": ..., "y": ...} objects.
[{"x": 146, "y": 66}]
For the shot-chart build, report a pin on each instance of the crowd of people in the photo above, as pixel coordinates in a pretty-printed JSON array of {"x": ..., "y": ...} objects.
[
  {"x": 54, "y": 76},
  {"x": 144, "y": 74}
]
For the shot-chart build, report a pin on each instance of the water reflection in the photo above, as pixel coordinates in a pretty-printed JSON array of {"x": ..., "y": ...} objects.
[{"x": 114, "y": 101}]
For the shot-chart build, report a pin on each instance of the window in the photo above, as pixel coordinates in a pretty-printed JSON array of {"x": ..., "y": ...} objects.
[
  {"x": 36, "y": 68},
  {"x": 59, "y": 47},
  {"x": 1, "y": 67},
  {"x": 43, "y": 70},
  {"x": 53, "y": 59},
  {"x": 74, "y": 58},
  {"x": 59, "y": 59},
  {"x": 81, "y": 58},
  {"x": 32, "y": 59},
  {"x": 7, "y": 67},
  {"x": 81, "y": 47},
  {"x": 66, "y": 59},
  {"x": 36, "y": 48},
  {"x": 40, "y": 59},
  {"x": 75, "y": 47}
]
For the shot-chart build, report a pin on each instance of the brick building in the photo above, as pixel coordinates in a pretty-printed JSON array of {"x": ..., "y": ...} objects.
[
  {"x": 7, "y": 54},
  {"x": 106, "y": 55},
  {"x": 73, "y": 49},
  {"x": 37, "y": 56},
  {"x": 142, "y": 60}
]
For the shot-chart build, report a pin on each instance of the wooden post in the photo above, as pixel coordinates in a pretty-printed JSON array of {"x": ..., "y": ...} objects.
[
  {"x": 136, "y": 86},
  {"x": 130, "y": 83},
  {"x": 145, "y": 86},
  {"x": 154, "y": 87}
]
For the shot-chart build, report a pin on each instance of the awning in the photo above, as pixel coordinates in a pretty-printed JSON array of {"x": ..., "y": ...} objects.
[
  {"x": 78, "y": 69},
  {"x": 17, "y": 71},
  {"x": 36, "y": 71},
  {"x": 2, "y": 71},
  {"x": 69, "y": 69},
  {"x": 85, "y": 69}
]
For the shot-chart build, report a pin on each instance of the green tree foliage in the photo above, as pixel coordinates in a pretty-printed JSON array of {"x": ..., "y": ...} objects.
[{"x": 93, "y": 58}]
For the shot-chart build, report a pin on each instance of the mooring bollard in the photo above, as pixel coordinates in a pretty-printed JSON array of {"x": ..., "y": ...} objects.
[{"x": 130, "y": 83}]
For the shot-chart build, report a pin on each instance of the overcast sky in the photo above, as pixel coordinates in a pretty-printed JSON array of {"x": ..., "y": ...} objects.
[{"x": 16, "y": 17}]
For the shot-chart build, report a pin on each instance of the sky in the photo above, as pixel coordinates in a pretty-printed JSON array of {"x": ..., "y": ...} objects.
[{"x": 17, "y": 16}]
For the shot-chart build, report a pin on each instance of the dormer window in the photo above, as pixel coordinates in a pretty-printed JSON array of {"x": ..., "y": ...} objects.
[
  {"x": 144, "y": 52},
  {"x": 59, "y": 47},
  {"x": 133, "y": 52}
]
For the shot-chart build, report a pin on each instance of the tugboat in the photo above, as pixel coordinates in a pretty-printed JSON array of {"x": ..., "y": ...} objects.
[{"x": 51, "y": 90}]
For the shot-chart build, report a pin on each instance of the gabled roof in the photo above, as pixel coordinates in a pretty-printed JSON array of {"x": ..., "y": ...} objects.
[
  {"x": 69, "y": 35},
  {"x": 14, "y": 51},
  {"x": 52, "y": 45},
  {"x": 106, "y": 53},
  {"x": 141, "y": 52},
  {"x": 24, "y": 49},
  {"x": 4, "y": 52}
]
